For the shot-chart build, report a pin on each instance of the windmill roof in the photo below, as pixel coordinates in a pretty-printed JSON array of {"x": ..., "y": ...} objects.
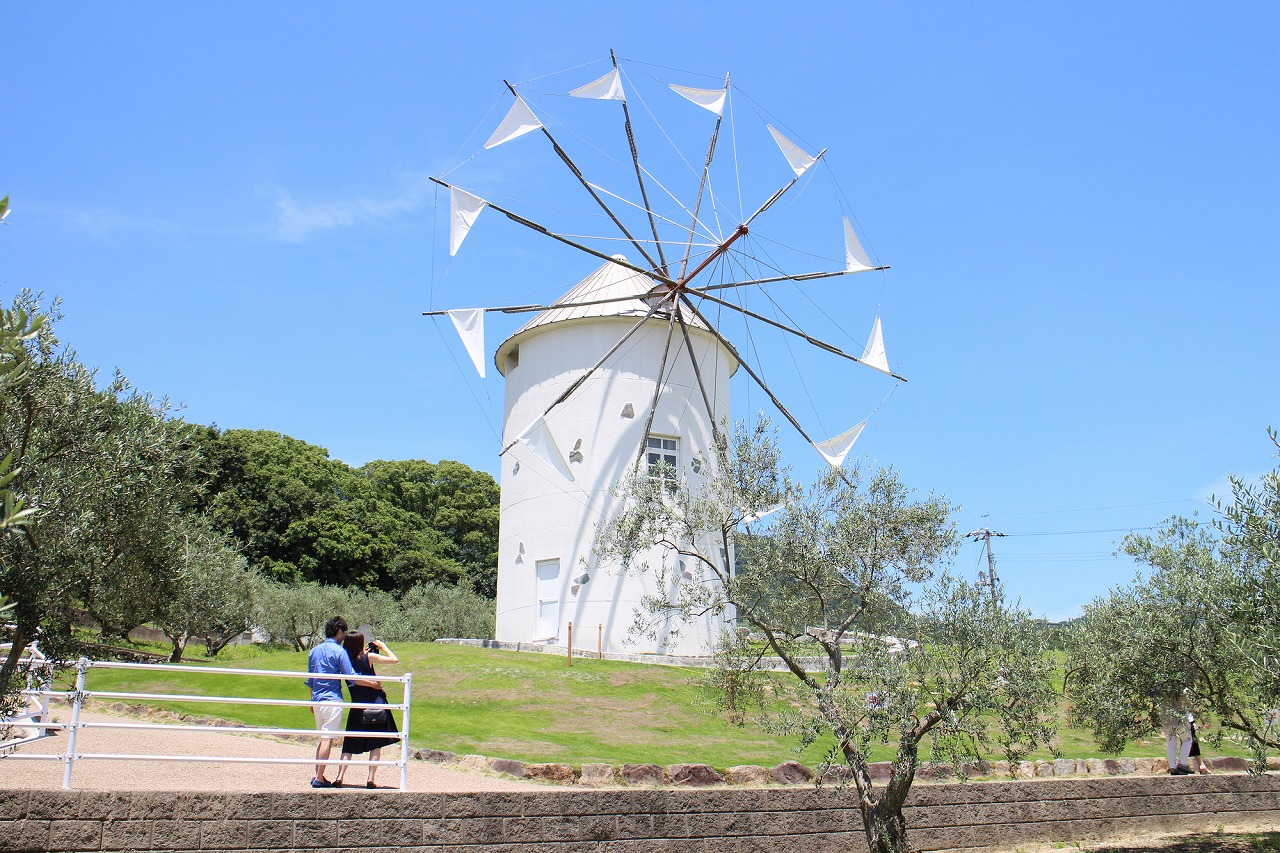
[
  {"x": 612, "y": 282},
  {"x": 613, "y": 291}
]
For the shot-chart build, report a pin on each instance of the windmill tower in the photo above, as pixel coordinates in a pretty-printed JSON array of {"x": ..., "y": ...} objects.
[{"x": 563, "y": 459}]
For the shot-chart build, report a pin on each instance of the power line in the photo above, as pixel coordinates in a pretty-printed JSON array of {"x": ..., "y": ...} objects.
[
  {"x": 1094, "y": 508},
  {"x": 1079, "y": 532}
]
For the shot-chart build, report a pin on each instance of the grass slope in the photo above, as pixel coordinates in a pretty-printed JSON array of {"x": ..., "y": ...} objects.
[{"x": 529, "y": 707}]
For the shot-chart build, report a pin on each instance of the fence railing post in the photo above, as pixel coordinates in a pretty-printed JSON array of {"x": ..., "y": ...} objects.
[
  {"x": 77, "y": 702},
  {"x": 404, "y": 741}
]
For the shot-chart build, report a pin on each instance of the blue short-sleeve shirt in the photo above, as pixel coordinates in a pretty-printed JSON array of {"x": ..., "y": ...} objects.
[{"x": 328, "y": 658}]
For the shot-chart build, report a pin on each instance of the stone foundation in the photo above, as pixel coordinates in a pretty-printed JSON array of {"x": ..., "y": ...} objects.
[{"x": 940, "y": 816}]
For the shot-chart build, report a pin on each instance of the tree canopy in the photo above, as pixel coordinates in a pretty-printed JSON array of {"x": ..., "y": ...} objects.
[
  {"x": 302, "y": 516},
  {"x": 835, "y": 571},
  {"x": 1202, "y": 619},
  {"x": 103, "y": 470}
]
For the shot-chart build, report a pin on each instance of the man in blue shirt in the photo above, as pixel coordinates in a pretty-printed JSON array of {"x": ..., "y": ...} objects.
[{"x": 329, "y": 658}]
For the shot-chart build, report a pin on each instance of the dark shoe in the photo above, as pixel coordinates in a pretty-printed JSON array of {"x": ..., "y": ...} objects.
[
  {"x": 337, "y": 783},
  {"x": 1180, "y": 771},
  {"x": 321, "y": 783},
  {"x": 370, "y": 785}
]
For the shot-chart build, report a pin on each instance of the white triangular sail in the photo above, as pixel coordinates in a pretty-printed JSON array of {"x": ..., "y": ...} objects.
[
  {"x": 855, "y": 258},
  {"x": 874, "y": 355},
  {"x": 470, "y": 325},
  {"x": 463, "y": 210},
  {"x": 756, "y": 516},
  {"x": 519, "y": 121},
  {"x": 708, "y": 99},
  {"x": 607, "y": 88},
  {"x": 537, "y": 437},
  {"x": 834, "y": 450},
  {"x": 797, "y": 157}
]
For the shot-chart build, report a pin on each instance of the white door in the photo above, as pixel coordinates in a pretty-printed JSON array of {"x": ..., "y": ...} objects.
[{"x": 548, "y": 592}]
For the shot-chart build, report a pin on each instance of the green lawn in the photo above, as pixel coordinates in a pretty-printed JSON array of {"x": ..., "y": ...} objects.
[{"x": 530, "y": 707}]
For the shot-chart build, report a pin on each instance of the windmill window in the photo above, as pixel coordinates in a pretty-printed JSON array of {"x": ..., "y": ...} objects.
[
  {"x": 662, "y": 455},
  {"x": 513, "y": 359}
]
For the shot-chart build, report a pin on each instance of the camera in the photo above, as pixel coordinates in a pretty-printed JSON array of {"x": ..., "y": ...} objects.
[{"x": 372, "y": 647}]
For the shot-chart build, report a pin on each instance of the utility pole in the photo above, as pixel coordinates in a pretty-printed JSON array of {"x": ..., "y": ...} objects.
[{"x": 989, "y": 577}]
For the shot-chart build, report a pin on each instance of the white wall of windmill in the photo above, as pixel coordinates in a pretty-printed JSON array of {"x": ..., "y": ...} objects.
[{"x": 599, "y": 432}]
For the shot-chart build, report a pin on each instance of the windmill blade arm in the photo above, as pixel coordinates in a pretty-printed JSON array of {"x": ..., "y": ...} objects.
[
  {"x": 631, "y": 203},
  {"x": 808, "y": 338},
  {"x": 831, "y": 348},
  {"x": 742, "y": 362},
  {"x": 808, "y": 276},
  {"x": 654, "y": 274},
  {"x": 697, "y": 374},
  {"x": 635, "y": 160},
  {"x": 506, "y": 309},
  {"x": 525, "y": 309},
  {"x": 702, "y": 186},
  {"x": 583, "y": 378},
  {"x": 773, "y": 199},
  {"x": 657, "y": 389},
  {"x": 577, "y": 173}
]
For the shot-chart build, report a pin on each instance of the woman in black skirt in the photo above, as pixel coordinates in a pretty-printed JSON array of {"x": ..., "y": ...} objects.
[{"x": 362, "y": 660}]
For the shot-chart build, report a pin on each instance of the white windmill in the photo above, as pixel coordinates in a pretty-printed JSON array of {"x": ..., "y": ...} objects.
[{"x": 632, "y": 366}]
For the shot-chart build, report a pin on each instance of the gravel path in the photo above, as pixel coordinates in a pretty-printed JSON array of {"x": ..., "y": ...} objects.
[{"x": 132, "y": 775}]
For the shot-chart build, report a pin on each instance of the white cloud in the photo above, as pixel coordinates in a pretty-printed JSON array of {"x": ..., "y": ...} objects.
[{"x": 298, "y": 221}]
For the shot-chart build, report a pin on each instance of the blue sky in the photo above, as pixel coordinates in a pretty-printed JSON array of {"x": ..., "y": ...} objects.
[{"x": 1078, "y": 201}]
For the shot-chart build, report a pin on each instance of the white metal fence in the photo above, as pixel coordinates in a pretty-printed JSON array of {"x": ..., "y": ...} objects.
[
  {"x": 22, "y": 727},
  {"x": 39, "y": 691}
]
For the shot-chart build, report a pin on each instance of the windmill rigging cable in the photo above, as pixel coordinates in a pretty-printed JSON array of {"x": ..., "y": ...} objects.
[
  {"x": 695, "y": 171},
  {"x": 834, "y": 322},
  {"x": 561, "y": 71},
  {"x": 733, "y": 145},
  {"x": 759, "y": 108},
  {"x": 672, "y": 222},
  {"x": 786, "y": 342},
  {"x": 644, "y": 65},
  {"x": 465, "y": 373},
  {"x": 435, "y": 240},
  {"x": 483, "y": 121}
]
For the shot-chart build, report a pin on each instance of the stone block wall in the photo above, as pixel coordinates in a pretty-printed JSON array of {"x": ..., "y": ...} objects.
[{"x": 941, "y": 816}]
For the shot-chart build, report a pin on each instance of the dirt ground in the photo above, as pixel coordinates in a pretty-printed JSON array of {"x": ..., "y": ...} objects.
[
  {"x": 115, "y": 775},
  {"x": 1204, "y": 842}
]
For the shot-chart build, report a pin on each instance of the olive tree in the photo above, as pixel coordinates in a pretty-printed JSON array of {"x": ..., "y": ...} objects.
[
  {"x": 16, "y": 328},
  {"x": 100, "y": 466},
  {"x": 1202, "y": 616},
  {"x": 214, "y": 591},
  {"x": 844, "y": 585},
  {"x": 295, "y": 613}
]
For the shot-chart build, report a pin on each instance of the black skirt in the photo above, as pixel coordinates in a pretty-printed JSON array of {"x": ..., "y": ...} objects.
[{"x": 355, "y": 723}]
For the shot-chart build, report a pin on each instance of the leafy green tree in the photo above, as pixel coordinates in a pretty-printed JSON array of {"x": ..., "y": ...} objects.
[
  {"x": 453, "y": 499},
  {"x": 430, "y": 611},
  {"x": 214, "y": 593},
  {"x": 846, "y": 562},
  {"x": 102, "y": 464},
  {"x": 295, "y": 613},
  {"x": 1204, "y": 616},
  {"x": 16, "y": 328},
  {"x": 302, "y": 516}
]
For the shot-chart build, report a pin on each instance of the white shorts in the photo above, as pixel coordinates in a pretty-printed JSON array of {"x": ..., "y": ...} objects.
[{"x": 328, "y": 717}]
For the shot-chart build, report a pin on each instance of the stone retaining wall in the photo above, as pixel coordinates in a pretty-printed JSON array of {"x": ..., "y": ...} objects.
[{"x": 942, "y": 816}]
